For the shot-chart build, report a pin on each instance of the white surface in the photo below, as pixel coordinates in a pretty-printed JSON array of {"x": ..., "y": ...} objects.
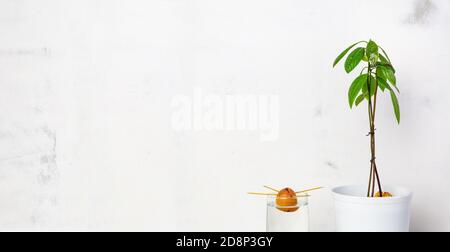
[
  {"x": 357, "y": 213},
  {"x": 86, "y": 141}
]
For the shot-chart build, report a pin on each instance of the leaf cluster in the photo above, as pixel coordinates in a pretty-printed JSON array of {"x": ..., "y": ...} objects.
[{"x": 378, "y": 74}]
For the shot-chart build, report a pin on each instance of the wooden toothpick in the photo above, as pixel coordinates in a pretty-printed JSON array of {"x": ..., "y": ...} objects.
[
  {"x": 309, "y": 190},
  {"x": 264, "y": 194},
  {"x": 273, "y": 189},
  {"x": 273, "y": 194}
]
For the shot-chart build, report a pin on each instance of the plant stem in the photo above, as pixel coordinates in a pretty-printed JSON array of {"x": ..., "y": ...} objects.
[
  {"x": 372, "y": 110},
  {"x": 373, "y": 137},
  {"x": 373, "y": 184},
  {"x": 371, "y": 177}
]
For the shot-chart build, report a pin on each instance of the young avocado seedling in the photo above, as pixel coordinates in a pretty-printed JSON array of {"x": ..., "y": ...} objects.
[{"x": 377, "y": 74}]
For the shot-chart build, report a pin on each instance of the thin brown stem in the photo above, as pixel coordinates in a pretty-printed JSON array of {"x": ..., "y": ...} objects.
[
  {"x": 370, "y": 181},
  {"x": 373, "y": 137},
  {"x": 372, "y": 111},
  {"x": 369, "y": 192},
  {"x": 373, "y": 183},
  {"x": 378, "y": 178}
]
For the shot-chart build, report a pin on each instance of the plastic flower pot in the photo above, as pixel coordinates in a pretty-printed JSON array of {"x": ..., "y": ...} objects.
[{"x": 355, "y": 212}]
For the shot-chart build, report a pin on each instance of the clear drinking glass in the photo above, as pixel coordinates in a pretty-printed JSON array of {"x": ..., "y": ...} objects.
[{"x": 284, "y": 221}]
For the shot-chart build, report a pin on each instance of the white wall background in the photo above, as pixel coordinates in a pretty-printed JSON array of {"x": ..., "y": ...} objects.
[{"x": 86, "y": 85}]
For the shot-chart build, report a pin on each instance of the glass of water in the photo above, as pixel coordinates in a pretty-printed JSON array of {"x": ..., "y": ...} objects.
[{"x": 287, "y": 219}]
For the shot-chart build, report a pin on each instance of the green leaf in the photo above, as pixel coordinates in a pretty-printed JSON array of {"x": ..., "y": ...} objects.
[
  {"x": 372, "y": 86},
  {"x": 392, "y": 79},
  {"x": 354, "y": 59},
  {"x": 386, "y": 65},
  {"x": 355, "y": 88},
  {"x": 382, "y": 83},
  {"x": 360, "y": 99},
  {"x": 365, "y": 59},
  {"x": 383, "y": 59},
  {"x": 385, "y": 85},
  {"x": 344, "y": 53},
  {"x": 381, "y": 79},
  {"x": 396, "y": 106},
  {"x": 372, "y": 49},
  {"x": 391, "y": 76},
  {"x": 381, "y": 72},
  {"x": 388, "y": 74}
]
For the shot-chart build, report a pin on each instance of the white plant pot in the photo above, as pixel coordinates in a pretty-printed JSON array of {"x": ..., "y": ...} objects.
[{"x": 357, "y": 213}]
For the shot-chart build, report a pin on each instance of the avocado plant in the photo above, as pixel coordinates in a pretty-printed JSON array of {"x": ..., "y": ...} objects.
[{"x": 378, "y": 73}]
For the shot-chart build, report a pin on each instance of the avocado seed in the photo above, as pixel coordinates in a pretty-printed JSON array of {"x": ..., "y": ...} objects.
[
  {"x": 287, "y": 200},
  {"x": 385, "y": 195}
]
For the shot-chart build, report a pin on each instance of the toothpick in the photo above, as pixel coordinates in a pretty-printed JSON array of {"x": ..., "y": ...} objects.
[
  {"x": 267, "y": 194},
  {"x": 270, "y": 188},
  {"x": 312, "y": 189},
  {"x": 273, "y": 194}
]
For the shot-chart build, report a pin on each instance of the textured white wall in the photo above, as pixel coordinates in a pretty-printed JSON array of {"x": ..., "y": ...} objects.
[{"x": 86, "y": 86}]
